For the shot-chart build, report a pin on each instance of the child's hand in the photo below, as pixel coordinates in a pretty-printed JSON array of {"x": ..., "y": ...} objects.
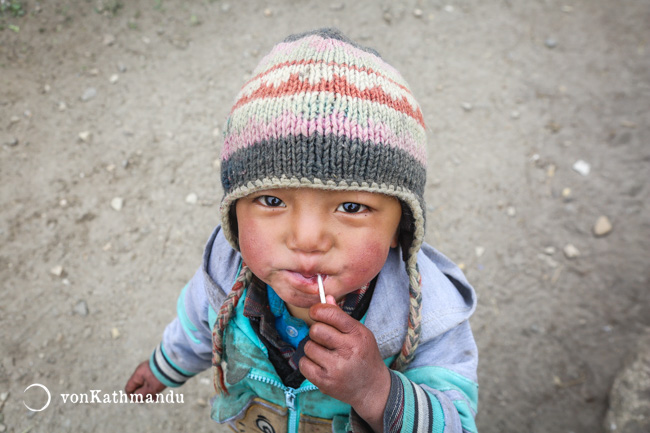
[
  {"x": 143, "y": 381},
  {"x": 343, "y": 360}
]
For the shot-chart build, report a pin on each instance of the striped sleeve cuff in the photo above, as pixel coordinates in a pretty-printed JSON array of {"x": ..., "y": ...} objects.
[
  {"x": 166, "y": 371},
  {"x": 411, "y": 409}
]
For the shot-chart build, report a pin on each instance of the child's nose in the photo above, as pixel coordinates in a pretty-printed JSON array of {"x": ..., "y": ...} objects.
[{"x": 310, "y": 233}]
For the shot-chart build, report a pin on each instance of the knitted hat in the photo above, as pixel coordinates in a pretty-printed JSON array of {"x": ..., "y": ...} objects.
[{"x": 323, "y": 112}]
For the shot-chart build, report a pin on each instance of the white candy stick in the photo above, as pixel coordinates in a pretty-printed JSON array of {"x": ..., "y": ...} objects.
[{"x": 321, "y": 290}]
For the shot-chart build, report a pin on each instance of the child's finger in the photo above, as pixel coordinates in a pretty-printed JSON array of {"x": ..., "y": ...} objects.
[
  {"x": 325, "y": 335},
  {"x": 330, "y": 299},
  {"x": 333, "y": 316}
]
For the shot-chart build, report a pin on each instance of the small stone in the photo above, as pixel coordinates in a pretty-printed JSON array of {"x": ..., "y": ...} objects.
[
  {"x": 57, "y": 271},
  {"x": 115, "y": 333},
  {"x": 550, "y": 170},
  {"x": 121, "y": 67},
  {"x": 268, "y": 12},
  {"x": 63, "y": 202},
  {"x": 582, "y": 167},
  {"x": 14, "y": 119},
  {"x": 201, "y": 402},
  {"x": 117, "y": 203},
  {"x": 84, "y": 136},
  {"x": 191, "y": 198},
  {"x": 47, "y": 88},
  {"x": 13, "y": 142},
  {"x": 567, "y": 9},
  {"x": 550, "y": 43},
  {"x": 109, "y": 40},
  {"x": 479, "y": 251},
  {"x": 4, "y": 396},
  {"x": 114, "y": 78},
  {"x": 566, "y": 193},
  {"x": 418, "y": 13},
  {"x": 449, "y": 8},
  {"x": 467, "y": 106},
  {"x": 3, "y": 428},
  {"x": 217, "y": 163},
  {"x": 88, "y": 332},
  {"x": 462, "y": 266},
  {"x": 146, "y": 40},
  {"x": 571, "y": 252},
  {"x": 603, "y": 226},
  {"x": 27, "y": 113},
  {"x": 515, "y": 114},
  {"x": 89, "y": 94},
  {"x": 81, "y": 308},
  {"x": 107, "y": 247},
  {"x": 549, "y": 251},
  {"x": 62, "y": 106},
  {"x": 511, "y": 211},
  {"x": 216, "y": 132},
  {"x": 65, "y": 282},
  {"x": 94, "y": 72},
  {"x": 225, "y": 7},
  {"x": 110, "y": 167}
]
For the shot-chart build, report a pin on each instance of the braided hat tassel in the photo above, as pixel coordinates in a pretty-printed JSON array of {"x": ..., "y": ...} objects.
[{"x": 226, "y": 312}]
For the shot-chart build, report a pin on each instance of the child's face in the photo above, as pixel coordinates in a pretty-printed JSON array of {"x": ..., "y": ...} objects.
[{"x": 288, "y": 236}]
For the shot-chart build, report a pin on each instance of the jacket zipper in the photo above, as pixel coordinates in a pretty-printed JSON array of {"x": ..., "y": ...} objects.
[{"x": 290, "y": 395}]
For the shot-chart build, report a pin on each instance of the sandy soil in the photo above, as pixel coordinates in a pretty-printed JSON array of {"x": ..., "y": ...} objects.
[{"x": 513, "y": 93}]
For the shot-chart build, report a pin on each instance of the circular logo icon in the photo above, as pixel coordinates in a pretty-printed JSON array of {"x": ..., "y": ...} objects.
[{"x": 49, "y": 397}]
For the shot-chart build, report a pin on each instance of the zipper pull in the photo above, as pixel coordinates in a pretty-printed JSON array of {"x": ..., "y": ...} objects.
[{"x": 290, "y": 398}]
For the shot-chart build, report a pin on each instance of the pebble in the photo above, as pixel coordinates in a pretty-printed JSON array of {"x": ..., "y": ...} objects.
[
  {"x": 217, "y": 163},
  {"x": 88, "y": 332},
  {"x": 115, "y": 333},
  {"x": 566, "y": 192},
  {"x": 582, "y": 167},
  {"x": 146, "y": 40},
  {"x": 515, "y": 114},
  {"x": 549, "y": 251},
  {"x": 418, "y": 13},
  {"x": 89, "y": 94},
  {"x": 479, "y": 251},
  {"x": 57, "y": 271},
  {"x": 13, "y": 142},
  {"x": 14, "y": 119},
  {"x": 81, "y": 308},
  {"x": 121, "y": 67},
  {"x": 550, "y": 43},
  {"x": 449, "y": 8},
  {"x": 117, "y": 203},
  {"x": 94, "y": 72},
  {"x": 511, "y": 211},
  {"x": 3, "y": 428},
  {"x": 603, "y": 226},
  {"x": 84, "y": 136},
  {"x": 467, "y": 106},
  {"x": 4, "y": 396},
  {"x": 192, "y": 198},
  {"x": 571, "y": 252},
  {"x": 109, "y": 40},
  {"x": 62, "y": 106},
  {"x": 114, "y": 78},
  {"x": 47, "y": 88},
  {"x": 268, "y": 12},
  {"x": 201, "y": 402},
  {"x": 225, "y": 7}
]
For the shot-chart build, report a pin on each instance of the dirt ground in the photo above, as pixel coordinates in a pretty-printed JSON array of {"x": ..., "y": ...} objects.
[{"x": 110, "y": 124}]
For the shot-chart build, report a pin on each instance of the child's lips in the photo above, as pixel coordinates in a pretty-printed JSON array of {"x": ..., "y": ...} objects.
[{"x": 305, "y": 282}]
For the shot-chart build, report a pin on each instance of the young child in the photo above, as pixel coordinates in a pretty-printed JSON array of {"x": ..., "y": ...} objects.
[{"x": 323, "y": 172}]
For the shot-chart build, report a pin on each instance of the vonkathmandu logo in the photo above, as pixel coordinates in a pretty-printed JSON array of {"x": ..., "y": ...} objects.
[
  {"x": 120, "y": 397},
  {"x": 97, "y": 396}
]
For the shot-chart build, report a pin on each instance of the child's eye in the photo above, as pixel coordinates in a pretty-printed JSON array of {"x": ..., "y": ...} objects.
[
  {"x": 270, "y": 201},
  {"x": 350, "y": 207}
]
